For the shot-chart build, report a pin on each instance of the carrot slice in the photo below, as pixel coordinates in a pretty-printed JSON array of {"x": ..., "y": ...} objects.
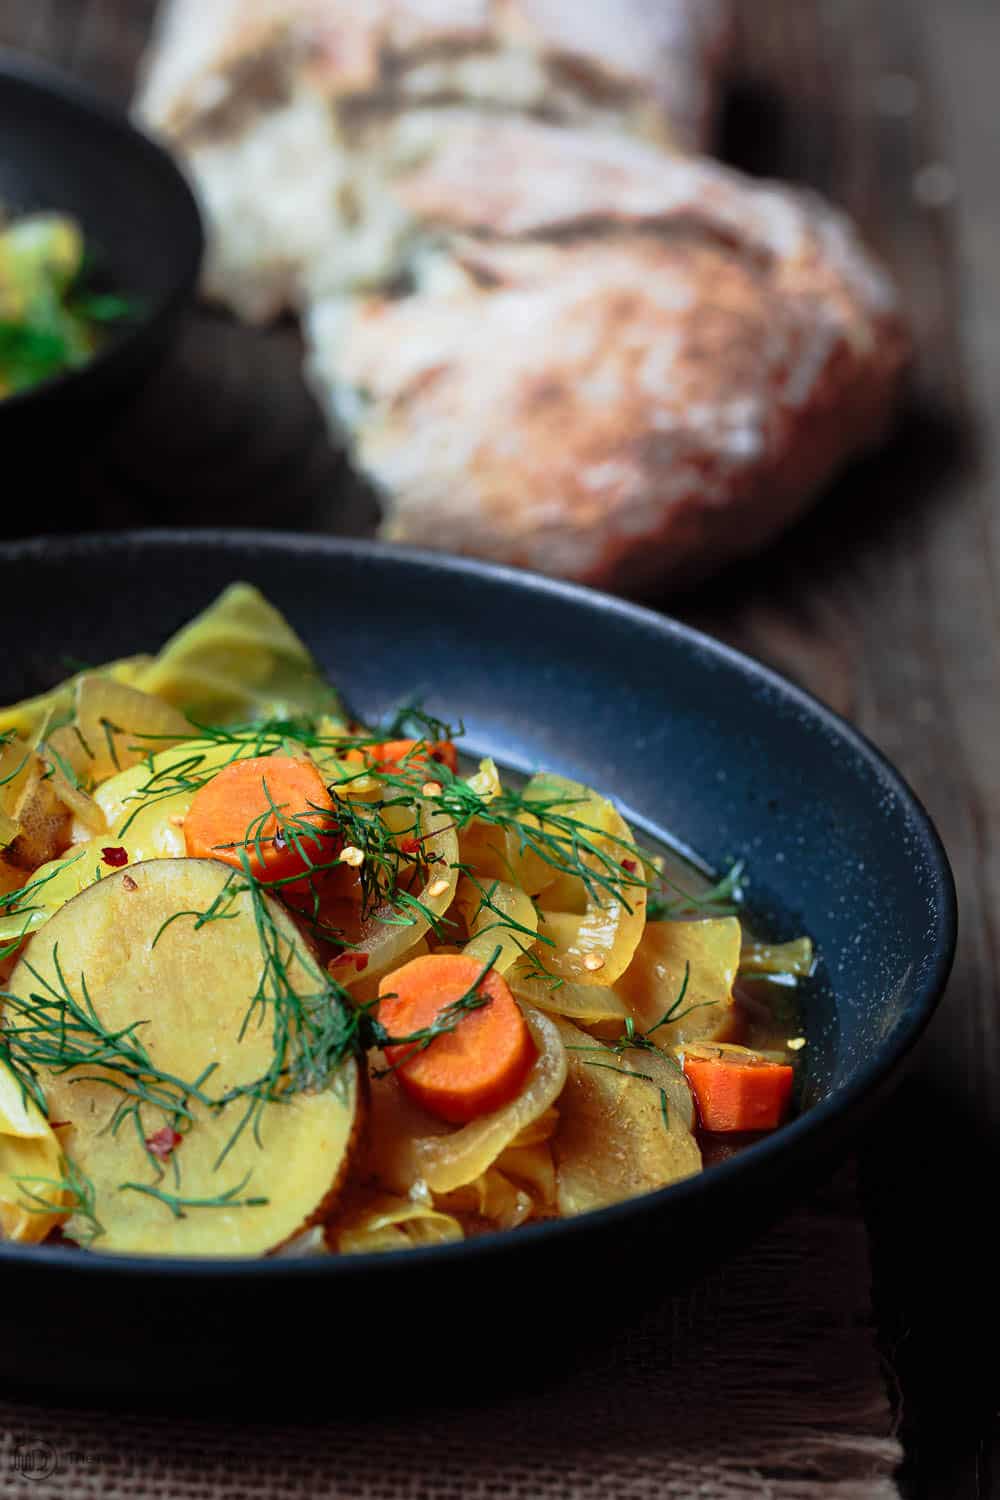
[
  {"x": 392, "y": 754},
  {"x": 736, "y": 1090},
  {"x": 471, "y": 1070},
  {"x": 230, "y": 817}
]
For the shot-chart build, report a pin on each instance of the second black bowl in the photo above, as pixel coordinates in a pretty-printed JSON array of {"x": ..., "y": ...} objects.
[{"x": 63, "y": 149}]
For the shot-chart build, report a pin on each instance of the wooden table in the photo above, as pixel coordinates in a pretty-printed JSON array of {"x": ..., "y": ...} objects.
[{"x": 885, "y": 602}]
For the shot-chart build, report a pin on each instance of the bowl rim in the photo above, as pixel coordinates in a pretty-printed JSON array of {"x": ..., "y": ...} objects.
[
  {"x": 48, "y": 82},
  {"x": 799, "y": 1138}
]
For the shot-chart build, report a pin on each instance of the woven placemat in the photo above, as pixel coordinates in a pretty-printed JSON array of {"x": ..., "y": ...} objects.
[{"x": 763, "y": 1381}]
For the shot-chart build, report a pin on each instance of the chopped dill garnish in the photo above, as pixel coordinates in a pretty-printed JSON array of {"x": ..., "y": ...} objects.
[
  {"x": 77, "y": 1188},
  {"x": 724, "y": 899},
  {"x": 179, "y": 1205}
]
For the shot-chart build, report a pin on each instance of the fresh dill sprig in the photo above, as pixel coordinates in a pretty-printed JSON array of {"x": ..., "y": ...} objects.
[
  {"x": 179, "y": 1205},
  {"x": 412, "y": 721},
  {"x": 724, "y": 899},
  {"x": 77, "y": 1188}
]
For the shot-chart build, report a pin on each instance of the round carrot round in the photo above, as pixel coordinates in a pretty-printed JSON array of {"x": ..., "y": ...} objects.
[
  {"x": 230, "y": 817},
  {"x": 472, "y": 1069}
]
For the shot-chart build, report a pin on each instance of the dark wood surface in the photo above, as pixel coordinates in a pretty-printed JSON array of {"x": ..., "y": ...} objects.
[{"x": 885, "y": 601}]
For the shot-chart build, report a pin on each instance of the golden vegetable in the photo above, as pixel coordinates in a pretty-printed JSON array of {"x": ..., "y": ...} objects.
[
  {"x": 795, "y": 958},
  {"x": 42, "y": 821},
  {"x": 708, "y": 952},
  {"x": 200, "y": 1004},
  {"x": 385, "y": 1222},
  {"x": 595, "y": 944},
  {"x": 620, "y": 1135},
  {"x": 586, "y": 1004},
  {"x": 31, "y": 1168},
  {"x": 497, "y": 915}
]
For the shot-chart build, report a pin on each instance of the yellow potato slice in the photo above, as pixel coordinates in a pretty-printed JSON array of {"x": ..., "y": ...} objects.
[
  {"x": 617, "y": 1137},
  {"x": 709, "y": 953},
  {"x": 118, "y": 962}
]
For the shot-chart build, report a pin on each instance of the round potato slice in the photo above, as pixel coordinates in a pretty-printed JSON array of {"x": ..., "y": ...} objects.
[{"x": 161, "y": 1017}]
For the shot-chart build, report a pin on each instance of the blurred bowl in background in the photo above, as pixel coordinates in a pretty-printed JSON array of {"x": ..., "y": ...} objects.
[{"x": 65, "y": 150}]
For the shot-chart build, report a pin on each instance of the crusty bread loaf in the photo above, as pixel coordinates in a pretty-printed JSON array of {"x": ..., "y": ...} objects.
[
  {"x": 627, "y": 368},
  {"x": 294, "y": 115}
]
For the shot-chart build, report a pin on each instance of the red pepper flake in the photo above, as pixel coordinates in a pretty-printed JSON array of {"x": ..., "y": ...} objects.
[
  {"x": 346, "y": 960},
  {"x": 630, "y": 865},
  {"x": 58, "y": 1124},
  {"x": 163, "y": 1144},
  {"x": 128, "y": 884},
  {"x": 410, "y": 846},
  {"x": 115, "y": 857}
]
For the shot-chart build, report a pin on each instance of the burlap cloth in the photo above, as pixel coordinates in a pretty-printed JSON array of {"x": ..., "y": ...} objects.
[{"x": 763, "y": 1381}]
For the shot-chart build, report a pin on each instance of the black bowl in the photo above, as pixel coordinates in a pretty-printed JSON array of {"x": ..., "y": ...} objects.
[
  {"x": 700, "y": 745},
  {"x": 64, "y": 149}
]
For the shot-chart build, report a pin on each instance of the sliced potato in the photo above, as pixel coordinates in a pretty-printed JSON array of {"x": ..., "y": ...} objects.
[
  {"x": 615, "y": 1139},
  {"x": 708, "y": 952},
  {"x": 188, "y": 994},
  {"x": 30, "y": 1167}
]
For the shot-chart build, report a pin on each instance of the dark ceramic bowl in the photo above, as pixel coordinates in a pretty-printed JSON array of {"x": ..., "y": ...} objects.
[
  {"x": 700, "y": 745},
  {"x": 66, "y": 150}
]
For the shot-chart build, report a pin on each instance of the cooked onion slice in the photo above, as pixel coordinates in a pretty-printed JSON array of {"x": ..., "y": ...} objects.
[
  {"x": 586, "y": 1004},
  {"x": 595, "y": 945},
  {"x": 387, "y": 1222},
  {"x": 498, "y": 915}
]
